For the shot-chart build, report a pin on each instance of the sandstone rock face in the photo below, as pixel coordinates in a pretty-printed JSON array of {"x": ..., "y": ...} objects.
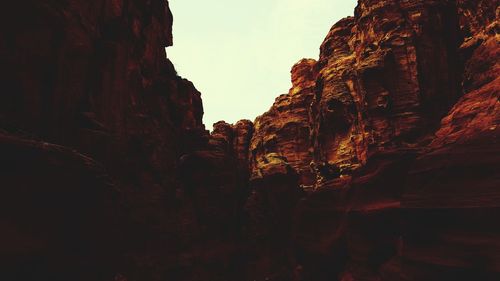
[
  {"x": 454, "y": 180},
  {"x": 284, "y": 130},
  {"x": 386, "y": 78},
  {"x": 403, "y": 138},
  {"x": 214, "y": 181},
  {"x": 279, "y": 163},
  {"x": 93, "y": 77},
  {"x": 380, "y": 163},
  {"x": 235, "y": 140},
  {"x": 477, "y": 111}
]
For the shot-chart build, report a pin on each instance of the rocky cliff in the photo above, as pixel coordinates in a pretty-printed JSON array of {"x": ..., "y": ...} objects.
[
  {"x": 398, "y": 120},
  {"x": 380, "y": 163},
  {"x": 94, "y": 122},
  {"x": 284, "y": 130}
]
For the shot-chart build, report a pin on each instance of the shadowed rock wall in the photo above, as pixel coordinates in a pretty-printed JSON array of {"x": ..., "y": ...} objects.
[{"x": 380, "y": 163}]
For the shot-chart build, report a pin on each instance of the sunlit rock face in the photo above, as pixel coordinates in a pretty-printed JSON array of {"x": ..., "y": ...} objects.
[
  {"x": 403, "y": 119},
  {"x": 380, "y": 163},
  {"x": 284, "y": 130},
  {"x": 387, "y": 76},
  {"x": 87, "y": 84}
]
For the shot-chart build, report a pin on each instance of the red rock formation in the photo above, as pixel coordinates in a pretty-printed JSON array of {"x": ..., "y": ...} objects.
[
  {"x": 451, "y": 190},
  {"x": 243, "y": 132},
  {"x": 280, "y": 157},
  {"x": 284, "y": 130},
  {"x": 380, "y": 163},
  {"x": 93, "y": 76},
  {"x": 61, "y": 214},
  {"x": 401, "y": 193},
  {"x": 215, "y": 187},
  {"x": 386, "y": 77},
  {"x": 477, "y": 112}
]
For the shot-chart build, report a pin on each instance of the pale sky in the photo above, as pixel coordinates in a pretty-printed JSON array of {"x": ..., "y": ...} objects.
[{"x": 238, "y": 53}]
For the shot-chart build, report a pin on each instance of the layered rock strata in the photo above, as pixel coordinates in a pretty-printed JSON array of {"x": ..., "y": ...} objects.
[
  {"x": 87, "y": 84},
  {"x": 380, "y": 163},
  {"x": 284, "y": 130},
  {"x": 403, "y": 140}
]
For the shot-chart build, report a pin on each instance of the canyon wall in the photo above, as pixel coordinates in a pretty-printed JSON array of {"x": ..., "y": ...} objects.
[
  {"x": 96, "y": 134},
  {"x": 380, "y": 163},
  {"x": 398, "y": 121}
]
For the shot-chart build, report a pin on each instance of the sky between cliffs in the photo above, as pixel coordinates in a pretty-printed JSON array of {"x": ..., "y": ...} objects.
[{"x": 239, "y": 53}]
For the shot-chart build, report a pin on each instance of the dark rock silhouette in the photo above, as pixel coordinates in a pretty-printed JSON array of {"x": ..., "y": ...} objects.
[{"x": 380, "y": 163}]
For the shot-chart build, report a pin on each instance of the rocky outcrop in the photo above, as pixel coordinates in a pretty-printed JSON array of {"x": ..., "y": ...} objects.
[
  {"x": 451, "y": 189},
  {"x": 213, "y": 188},
  {"x": 387, "y": 76},
  {"x": 279, "y": 163},
  {"x": 476, "y": 114},
  {"x": 92, "y": 78},
  {"x": 284, "y": 130},
  {"x": 235, "y": 140},
  {"x": 378, "y": 164},
  {"x": 403, "y": 126}
]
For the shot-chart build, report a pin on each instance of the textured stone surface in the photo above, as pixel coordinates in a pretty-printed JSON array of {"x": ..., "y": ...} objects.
[
  {"x": 404, "y": 140},
  {"x": 284, "y": 130},
  {"x": 387, "y": 76},
  {"x": 478, "y": 111},
  {"x": 93, "y": 76},
  {"x": 380, "y": 163}
]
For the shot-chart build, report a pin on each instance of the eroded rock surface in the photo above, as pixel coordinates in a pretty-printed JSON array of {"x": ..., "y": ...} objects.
[
  {"x": 93, "y": 77},
  {"x": 403, "y": 138},
  {"x": 380, "y": 163},
  {"x": 284, "y": 130},
  {"x": 387, "y": 76}
]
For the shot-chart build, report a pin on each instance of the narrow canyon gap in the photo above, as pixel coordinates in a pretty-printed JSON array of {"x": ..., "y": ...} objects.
[
  {"x": 379, "y": 164},
  {"x": 240, "y": 55}
]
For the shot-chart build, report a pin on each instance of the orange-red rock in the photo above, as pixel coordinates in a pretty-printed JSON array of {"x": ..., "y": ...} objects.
[
  {"x": 386, "y": 78},
  {"x": 283, "y": 132},
  {"x": 380, "y": 163},
  {"x": 403, "y": 134}
]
